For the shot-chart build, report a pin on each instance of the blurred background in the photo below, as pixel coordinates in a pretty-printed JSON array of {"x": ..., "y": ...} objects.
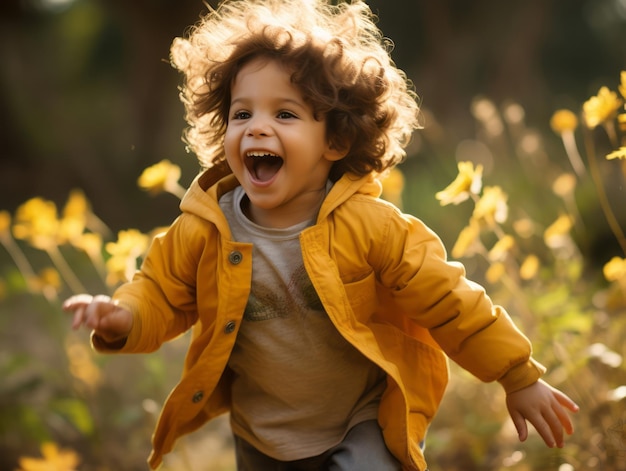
[{"x": 88, "y": 100}]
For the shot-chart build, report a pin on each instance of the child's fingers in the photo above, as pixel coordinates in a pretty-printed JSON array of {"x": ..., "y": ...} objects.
[
  {"x": 555, "y": 436},
  {"x": 77, "y": 305},
  {"x": 544, "y": 425},
  {"x": 561, "y": 410},
  {"x": 520, "y": 425},
  {"x": 99, "y": 307},
  {"x": 565, "y": 401},
  {"x": 564, "y": 420},
  {"x": 88, "y": 310},
  {"x": 76, "y": 301},
  {"x": 550, "y": 426},
  {"x": 79, "y": 317}
]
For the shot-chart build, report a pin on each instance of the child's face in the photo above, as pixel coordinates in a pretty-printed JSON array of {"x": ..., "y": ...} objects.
[{"x": 275, "y": 147}]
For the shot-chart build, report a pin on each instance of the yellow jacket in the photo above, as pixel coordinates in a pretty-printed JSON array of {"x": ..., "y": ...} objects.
[{"x": 383, "y": 279}]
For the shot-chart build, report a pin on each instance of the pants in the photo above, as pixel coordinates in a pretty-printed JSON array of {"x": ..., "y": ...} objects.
[{"x": 363, "y": 449}]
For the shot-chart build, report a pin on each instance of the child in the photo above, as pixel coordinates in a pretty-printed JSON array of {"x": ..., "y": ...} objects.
[{"x": 321, "y": 315}]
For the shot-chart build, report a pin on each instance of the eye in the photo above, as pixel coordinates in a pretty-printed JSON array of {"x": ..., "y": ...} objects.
[
  {"x": 285, "y": 115},
  {"x": 241, "y": 115}
]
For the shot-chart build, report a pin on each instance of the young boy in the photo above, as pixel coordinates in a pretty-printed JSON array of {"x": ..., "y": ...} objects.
[{"x": 321, "y": 315}]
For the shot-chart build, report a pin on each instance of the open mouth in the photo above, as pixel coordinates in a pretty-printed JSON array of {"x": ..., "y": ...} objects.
[{"x": 263, "y": 165}]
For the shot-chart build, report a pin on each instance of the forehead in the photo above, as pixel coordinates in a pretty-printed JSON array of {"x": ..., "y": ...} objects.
[
  {"x": 265, "y": 65},
  {"x": 265, "y": 79}
]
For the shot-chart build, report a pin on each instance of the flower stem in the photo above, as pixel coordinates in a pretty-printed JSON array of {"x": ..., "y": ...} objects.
[
  {"x": 609, "y": 126},
  {"x": 68, "y": 275},
  {"x": 20, "y": 260},
  {"x": 569, "y": 142},
  {"x": 604, "y": 201},
  {"x": 176, "y": 190},
  {"x": 95, "y": 224}
]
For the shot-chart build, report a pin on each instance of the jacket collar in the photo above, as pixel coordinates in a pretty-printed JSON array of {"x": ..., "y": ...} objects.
[
  {"x": 202, "y": 197},
  {"x": 347, "y": 186},
  {"x": 207, "y": 188}
]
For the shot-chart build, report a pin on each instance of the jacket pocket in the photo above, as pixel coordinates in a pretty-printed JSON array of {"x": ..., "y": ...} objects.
[
  {"x": 361, "y": 295},
  {"x": 420, "y": 370}
]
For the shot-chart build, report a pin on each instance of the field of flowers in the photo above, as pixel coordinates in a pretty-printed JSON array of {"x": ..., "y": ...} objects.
[{"x": 524, "y": 223}]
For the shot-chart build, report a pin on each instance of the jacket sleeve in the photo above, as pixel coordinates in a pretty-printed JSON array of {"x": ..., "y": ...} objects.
[
  {"x": 470, "y": 329},
  {"x": 162, "y": 294}
]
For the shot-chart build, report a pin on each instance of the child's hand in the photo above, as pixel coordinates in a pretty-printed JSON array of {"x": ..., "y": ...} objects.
[
  {"x": 546, "y": 408},
  {"x": 100, "y": 313}
]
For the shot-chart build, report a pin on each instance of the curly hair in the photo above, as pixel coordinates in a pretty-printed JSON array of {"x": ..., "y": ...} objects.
[{"x": 338, "y": 58}]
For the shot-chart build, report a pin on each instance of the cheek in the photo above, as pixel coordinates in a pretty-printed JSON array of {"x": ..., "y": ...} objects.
[{"x": 231, "y": 144}]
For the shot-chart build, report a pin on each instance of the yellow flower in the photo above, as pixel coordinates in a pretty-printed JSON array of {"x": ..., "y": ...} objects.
[
  {"x": 621, "y": 122},
  {"x": 77, "y": 206},
  {"x": 5, "y": 222},
  {"x": 492, "y": 207},
  {"x": 468, "y": 181},
  {"x": 618, "y": 154},
  {"x": 558, "y": 230},
  {"x": 53, "y": 460},
  {"x": 529, "y": 268},
  {"x": 622, "y": 86},
  {"x": 118, "y": 270},
  {"x": 91, "y": 243},
  {"x": 70, "y": 230},
  {"x": 501, "y": 248},
  {"x": 36, "y": 221},
  {"x": 563, "y": 121},
  {"x": 393, "y": 185},
  {"x": 75, "y": 215},
  {"x": 468, "y": 241},
  {"x": 601, "y": 108},
  {"x": 160, "y": 177},
  {"x": 615, "y": 269},
  {"x": 129, "y": 242},
  {"x": 130, "y": 245}
]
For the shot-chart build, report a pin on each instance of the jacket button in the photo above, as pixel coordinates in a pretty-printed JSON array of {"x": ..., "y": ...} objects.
[
  {"x": 197, "y": 397},
  {"x": 229, "y": 328},
  {"x": 235, "y": 257}
]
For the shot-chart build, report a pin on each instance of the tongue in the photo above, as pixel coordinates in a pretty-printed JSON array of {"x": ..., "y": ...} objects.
[{"x": 266, "y": 168}]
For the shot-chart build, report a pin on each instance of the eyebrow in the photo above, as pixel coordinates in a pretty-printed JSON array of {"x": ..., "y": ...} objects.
[{"x": 291, "y": 101}]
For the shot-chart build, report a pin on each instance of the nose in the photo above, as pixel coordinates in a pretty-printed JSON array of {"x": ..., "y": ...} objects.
[{"x": 258, "y": 126}]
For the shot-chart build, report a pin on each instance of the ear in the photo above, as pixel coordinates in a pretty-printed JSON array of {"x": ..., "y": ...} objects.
[{"x": 335, "y": 152}]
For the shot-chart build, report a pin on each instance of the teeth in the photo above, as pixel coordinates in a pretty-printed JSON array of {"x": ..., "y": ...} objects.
[{"x": 255, "y": 153}]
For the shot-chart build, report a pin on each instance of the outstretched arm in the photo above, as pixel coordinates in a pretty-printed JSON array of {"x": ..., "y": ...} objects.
[
  {"x": 108, "y": 320},
  {"x": 546, "y": 408}
]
